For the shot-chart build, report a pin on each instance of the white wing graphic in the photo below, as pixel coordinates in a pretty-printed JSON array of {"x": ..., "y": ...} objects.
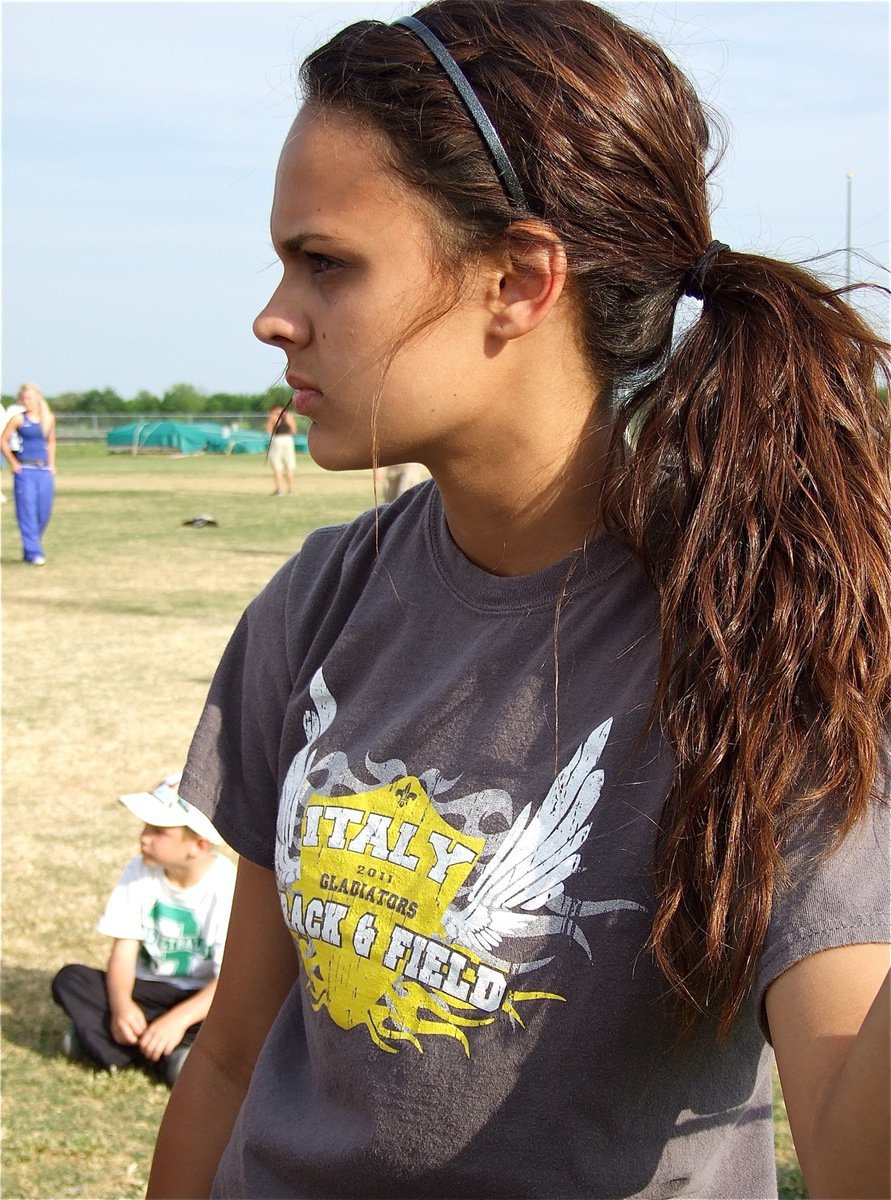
[
  {"x": 539, "y": 853},
  {"x": 315, "y": 721}
]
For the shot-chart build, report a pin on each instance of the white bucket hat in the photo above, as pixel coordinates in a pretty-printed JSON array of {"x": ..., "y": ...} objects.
[{"x": 165, "y": 808}]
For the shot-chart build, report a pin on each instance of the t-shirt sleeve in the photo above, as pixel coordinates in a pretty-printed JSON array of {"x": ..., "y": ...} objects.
[
  {"x": 839, "y": 899},
  {"x": 231, "y": 771},
  {"x": 123, "y": 912},
  {"x": 235, "y": 766}
]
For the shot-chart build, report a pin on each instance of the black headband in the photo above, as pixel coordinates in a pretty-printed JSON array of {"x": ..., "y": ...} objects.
[
  {"x": 694, "y": 280},
  {"x": 503, "y": 165}
]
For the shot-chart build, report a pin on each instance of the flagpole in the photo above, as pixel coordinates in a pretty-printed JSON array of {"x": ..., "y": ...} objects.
[{"x": 848, "y": 236}]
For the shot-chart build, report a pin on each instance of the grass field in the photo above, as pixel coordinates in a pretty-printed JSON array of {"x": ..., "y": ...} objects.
[{"x": 108, "y": 653}]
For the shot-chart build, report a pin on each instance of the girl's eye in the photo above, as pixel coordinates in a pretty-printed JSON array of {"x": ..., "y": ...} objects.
[{"x": 320, "y": 263}]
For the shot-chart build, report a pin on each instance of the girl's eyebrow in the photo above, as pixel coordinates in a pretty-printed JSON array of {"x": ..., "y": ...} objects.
[{"x": 293, "y": 245}]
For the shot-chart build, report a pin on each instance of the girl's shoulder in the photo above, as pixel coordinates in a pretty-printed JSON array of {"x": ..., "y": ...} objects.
[
  {"x": 349, "y": 552},
  {"x": 336, "y": 566},
  {"x": 380, "y": 524}
]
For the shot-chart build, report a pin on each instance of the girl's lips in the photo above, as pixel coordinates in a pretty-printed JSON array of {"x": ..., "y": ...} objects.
[{"x": 306, "y": 400}]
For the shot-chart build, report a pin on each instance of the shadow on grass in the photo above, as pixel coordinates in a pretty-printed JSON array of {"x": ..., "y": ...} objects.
[
  {"x": 34, "y": 1022},
  {"x": 30, "y": 1017}
]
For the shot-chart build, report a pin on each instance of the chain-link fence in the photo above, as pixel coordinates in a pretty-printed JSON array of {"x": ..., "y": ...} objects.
[{"x": 92, "y": 427}]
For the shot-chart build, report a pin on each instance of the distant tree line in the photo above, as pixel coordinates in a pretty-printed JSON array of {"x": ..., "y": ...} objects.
[{"x": 180, "y": 398}]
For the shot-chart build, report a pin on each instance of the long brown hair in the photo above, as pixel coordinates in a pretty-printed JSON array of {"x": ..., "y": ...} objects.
[{"x": 749, "y": 466}]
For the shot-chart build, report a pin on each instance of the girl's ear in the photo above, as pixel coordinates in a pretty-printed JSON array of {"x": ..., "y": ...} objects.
[{"x": 526, "y": 285}]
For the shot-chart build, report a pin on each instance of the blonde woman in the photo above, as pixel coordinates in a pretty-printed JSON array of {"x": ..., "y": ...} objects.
[{"x": 33, "y": 467}]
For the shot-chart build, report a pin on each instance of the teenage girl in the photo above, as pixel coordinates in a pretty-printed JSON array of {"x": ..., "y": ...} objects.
[
  {"x": 557, "y": 783},
  {"x": 33, "y": 466}
]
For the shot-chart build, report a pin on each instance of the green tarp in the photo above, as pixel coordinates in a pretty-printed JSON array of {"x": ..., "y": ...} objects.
[{"x": 181, "y": 437}]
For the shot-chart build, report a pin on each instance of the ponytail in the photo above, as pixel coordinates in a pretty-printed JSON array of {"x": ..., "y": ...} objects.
[{"x": 757, "y": 494}]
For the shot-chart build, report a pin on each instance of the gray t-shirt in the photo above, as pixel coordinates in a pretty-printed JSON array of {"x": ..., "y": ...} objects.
[{"x": 452, "y": 775}]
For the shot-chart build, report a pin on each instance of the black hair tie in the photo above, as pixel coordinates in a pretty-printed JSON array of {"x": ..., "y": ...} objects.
[{"x": 694, "y": 280}]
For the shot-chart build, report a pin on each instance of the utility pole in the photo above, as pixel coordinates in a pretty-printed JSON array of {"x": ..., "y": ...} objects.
[{"x": 848, "y": 237}]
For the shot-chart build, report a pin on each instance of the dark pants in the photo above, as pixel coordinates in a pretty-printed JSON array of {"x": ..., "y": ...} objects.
[{"x": 81, "y": 992}]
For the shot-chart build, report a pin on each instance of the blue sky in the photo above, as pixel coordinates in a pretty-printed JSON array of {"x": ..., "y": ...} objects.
[{"x": 140, "y": 141}]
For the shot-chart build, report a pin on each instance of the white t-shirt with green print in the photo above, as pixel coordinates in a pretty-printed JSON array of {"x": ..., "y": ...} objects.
[{"x": 182, "y": 930}]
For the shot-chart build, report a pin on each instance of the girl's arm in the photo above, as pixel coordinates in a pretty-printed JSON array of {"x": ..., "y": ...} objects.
[
  {"x": 830, "y": 1017},
  {"x": 11, "y": 426},
  {"x": 259, "y": 968},
  {"x": 51, "y": 445}
]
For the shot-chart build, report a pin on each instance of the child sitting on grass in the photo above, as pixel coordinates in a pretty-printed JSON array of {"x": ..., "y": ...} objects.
[{"x": 168, "y": 916}]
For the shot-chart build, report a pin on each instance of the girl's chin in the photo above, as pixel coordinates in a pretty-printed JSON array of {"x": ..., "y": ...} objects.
[{"x": 334, "y": 454}]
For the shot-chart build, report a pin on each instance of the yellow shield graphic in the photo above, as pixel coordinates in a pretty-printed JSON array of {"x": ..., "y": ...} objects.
[{"x": 377, "y": 872}]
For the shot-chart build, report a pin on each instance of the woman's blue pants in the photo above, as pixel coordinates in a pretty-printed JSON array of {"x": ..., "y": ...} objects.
[{"x": 34, "y": 488}]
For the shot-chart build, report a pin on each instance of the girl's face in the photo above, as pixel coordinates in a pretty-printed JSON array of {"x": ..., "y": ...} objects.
[{"x": 359, "y": 268}]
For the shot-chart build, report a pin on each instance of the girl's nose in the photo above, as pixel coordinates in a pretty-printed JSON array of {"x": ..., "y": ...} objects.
[{"x": 276, "y": 326}]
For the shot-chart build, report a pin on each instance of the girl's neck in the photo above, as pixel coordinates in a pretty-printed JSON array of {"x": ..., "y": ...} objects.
[
  {"x": 519, "y": 536},
  {"x": 528, "y": 496}
]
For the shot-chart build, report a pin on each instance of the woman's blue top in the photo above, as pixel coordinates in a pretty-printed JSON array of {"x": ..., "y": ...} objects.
[{"x": 34, "y": 447}]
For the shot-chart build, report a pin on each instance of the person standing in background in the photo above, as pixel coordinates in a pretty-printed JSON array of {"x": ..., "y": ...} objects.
[
  {"x": 394, "y": 481},
  {"x": 33, "y": 465},
  {"x": 14, "y": 441},
  {"x": 281, "y": 425}
]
